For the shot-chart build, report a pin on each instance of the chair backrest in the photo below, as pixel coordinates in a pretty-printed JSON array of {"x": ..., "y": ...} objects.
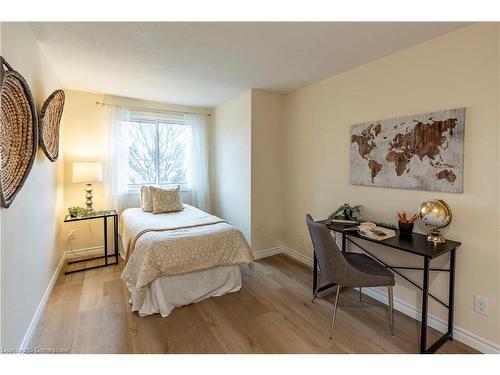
[{"x": 332, "y": 263}]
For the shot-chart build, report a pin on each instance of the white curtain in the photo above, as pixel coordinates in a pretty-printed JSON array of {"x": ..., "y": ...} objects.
[
  {"x": 117, "y": 162},
  {"x": 200, "y": 181}
]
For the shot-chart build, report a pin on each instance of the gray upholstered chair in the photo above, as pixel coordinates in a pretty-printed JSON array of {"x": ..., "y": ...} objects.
[{"x": 347, "y": 269}]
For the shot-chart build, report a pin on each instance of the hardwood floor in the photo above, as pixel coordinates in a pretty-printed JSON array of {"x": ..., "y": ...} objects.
[{"x": 88, "y": 312}]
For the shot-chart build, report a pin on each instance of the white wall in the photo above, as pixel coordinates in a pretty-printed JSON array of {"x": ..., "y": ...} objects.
[
  {"x": 247, "y": 188},
  {"x": 231, "y": 162},
  {"x": 30, "y": 226},
  {"x": 267, "y": 224},
  {"x": 459, "y": 69}
]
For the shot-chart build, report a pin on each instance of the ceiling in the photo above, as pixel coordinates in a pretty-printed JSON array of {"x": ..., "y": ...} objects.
[{"x": 204, "y": 64}]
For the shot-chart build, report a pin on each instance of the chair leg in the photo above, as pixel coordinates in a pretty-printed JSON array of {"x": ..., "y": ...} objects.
[
  {"x": 317, "y": 288},
  {"x": 391, "y": 309},
  {"x": 360, "y": 294},
  {"x": 335, "y": 305}
]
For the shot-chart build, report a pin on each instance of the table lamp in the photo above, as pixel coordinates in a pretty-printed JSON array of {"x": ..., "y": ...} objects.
[{"x": 87, "y": 172}]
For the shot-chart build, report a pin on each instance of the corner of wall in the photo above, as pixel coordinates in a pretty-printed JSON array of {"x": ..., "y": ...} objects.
[
  {"x": 231, "y": 161},
  {"x": 267, "y": 214}
]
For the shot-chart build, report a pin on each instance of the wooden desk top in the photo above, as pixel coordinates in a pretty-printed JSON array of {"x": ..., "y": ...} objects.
[{"x": 416, "y": 244}]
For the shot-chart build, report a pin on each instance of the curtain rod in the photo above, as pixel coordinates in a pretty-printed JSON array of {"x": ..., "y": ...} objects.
[{"x": 151, "y": 109}]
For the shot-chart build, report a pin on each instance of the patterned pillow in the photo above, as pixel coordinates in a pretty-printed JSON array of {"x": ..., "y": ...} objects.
[
  {"x": 146, "y": 199},
  {"x": 166, "y": 200}
]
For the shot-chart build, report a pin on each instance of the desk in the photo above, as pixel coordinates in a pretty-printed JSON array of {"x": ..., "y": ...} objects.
[
  {"x": 417, "y": 245},
  {"x": 104, "y": 216}
]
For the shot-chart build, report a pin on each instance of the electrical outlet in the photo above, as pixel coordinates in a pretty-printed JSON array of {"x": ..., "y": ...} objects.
[
  {"x": 72, "y": 234},
  {"x": 481, "y": 305},
  {"x": 263, "y": 233}
]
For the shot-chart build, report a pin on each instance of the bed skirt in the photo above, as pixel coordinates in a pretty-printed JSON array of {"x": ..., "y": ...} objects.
[{"x": 166, "y": 293}]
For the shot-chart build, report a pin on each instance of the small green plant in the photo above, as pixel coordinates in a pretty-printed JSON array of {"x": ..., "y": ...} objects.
[
  {"x": 85, "y": 212},
  {"x": 76, "y": 211},
  {"x": 346, "y": 212}
]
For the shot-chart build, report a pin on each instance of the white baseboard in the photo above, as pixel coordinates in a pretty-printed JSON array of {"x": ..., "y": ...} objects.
[
  {"x": 67, "y": 255},
  {"x": 460, "y": 334},
  {"x": 84, "y": 252},
  {"x": 259, "y": 254},
  {"x": 41, "y": 306},
  {"x": 298, "y": 256}
]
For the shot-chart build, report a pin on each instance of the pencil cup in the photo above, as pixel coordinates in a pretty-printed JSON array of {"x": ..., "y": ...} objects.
[{"x": 405, "y": 229}]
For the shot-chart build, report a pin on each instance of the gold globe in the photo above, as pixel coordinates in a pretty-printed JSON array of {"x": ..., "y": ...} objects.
[{"x": 436, "y": 214}]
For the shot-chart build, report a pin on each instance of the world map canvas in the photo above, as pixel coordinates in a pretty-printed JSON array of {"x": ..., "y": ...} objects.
[{"x": 423, "y": 152}]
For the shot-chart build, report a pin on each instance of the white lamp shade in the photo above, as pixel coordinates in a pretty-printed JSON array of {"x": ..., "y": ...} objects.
[{"x": 87, "y": 172}]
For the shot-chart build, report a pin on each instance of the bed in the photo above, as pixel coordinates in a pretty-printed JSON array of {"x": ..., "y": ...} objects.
[{"x": 178, "y": 258}]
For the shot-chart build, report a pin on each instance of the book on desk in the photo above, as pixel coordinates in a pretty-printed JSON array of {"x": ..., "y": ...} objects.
[{"x": 372, "y": 231}]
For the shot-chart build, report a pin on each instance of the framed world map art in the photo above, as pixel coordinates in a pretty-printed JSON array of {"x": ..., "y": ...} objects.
[{"x": 423, "y": 152}]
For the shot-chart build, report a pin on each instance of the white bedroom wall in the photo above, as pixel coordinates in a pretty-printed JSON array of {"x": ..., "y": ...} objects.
[
  {"x": 267, "y": 211},
  {"x": 231, "y": 162},
  {"x": 248, "y": 166},
  {"x": 458, "y": 69},
  {"x": 30, "y": 226}
]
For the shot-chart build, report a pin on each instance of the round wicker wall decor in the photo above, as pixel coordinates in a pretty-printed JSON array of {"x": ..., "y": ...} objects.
[
  {"x": 48, "y": 124},
  {"x": 18, "y": 132}
]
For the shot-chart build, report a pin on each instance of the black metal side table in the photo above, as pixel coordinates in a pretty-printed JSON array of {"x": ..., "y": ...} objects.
[{"x": 105, "y": 217}]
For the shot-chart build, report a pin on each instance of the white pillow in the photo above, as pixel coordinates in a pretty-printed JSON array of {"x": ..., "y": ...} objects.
[
  {"x": 146, "y": 199},
  {"x": 166, "y": 200}
]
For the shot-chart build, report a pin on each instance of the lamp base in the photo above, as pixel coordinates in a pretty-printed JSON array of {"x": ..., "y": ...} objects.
[{"x": 88, "y": 196}]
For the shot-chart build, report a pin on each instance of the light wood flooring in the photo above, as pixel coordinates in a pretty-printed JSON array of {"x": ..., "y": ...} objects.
[{"x": 88, "y": 312}]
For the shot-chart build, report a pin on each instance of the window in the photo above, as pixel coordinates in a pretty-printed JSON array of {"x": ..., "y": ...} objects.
[{"x": 159, "y": 152}]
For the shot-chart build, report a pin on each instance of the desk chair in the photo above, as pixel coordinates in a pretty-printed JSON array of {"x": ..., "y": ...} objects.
[{"x": 347, "y": 269}]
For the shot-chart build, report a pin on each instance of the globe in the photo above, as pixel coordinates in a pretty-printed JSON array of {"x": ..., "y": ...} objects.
[{"x": 436, "y": 214}]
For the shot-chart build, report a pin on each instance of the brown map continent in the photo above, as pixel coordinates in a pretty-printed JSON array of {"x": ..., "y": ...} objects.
[
  {"x": 446, "y": 175},
  {"x": 424, "y": 140},
  {"x": 366, "y": 145},
  {"x": 399, "y": 159},
  {"x": 365, "y": 141},
  {"x": 375, "y": 168}
]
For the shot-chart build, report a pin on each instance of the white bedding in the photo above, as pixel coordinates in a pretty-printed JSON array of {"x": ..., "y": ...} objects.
[
  {"x": 135, "y": 223},
  {"x": 166, "y": 293}
]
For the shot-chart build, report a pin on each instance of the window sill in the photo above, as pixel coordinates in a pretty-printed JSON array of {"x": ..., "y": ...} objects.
[{"x": 136, "y": 190}]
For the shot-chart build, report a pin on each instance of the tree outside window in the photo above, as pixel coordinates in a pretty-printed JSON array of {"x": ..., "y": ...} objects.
[{"x": 159, "y": 153}]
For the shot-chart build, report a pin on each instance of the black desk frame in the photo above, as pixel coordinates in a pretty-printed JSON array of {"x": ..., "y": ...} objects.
[
  {"x": 425, "y": 289},
  {"x": 105, "y": 217}
]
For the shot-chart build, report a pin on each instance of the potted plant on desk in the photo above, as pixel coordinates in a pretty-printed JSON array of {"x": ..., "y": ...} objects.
[{"x": 346, "y": 214}]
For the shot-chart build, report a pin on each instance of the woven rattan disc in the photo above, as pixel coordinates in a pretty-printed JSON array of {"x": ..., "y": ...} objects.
[
  {"x": 48, "y": 124},
  {"x": 18, "y": 133}
]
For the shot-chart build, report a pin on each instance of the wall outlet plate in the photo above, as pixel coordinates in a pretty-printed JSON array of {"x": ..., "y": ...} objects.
[
  {"x": 72, "y": 234},
  {"x": 481, "y": 305}
]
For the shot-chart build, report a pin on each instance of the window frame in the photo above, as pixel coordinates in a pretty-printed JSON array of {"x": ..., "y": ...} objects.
[{"x": 134, "y": 188}]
